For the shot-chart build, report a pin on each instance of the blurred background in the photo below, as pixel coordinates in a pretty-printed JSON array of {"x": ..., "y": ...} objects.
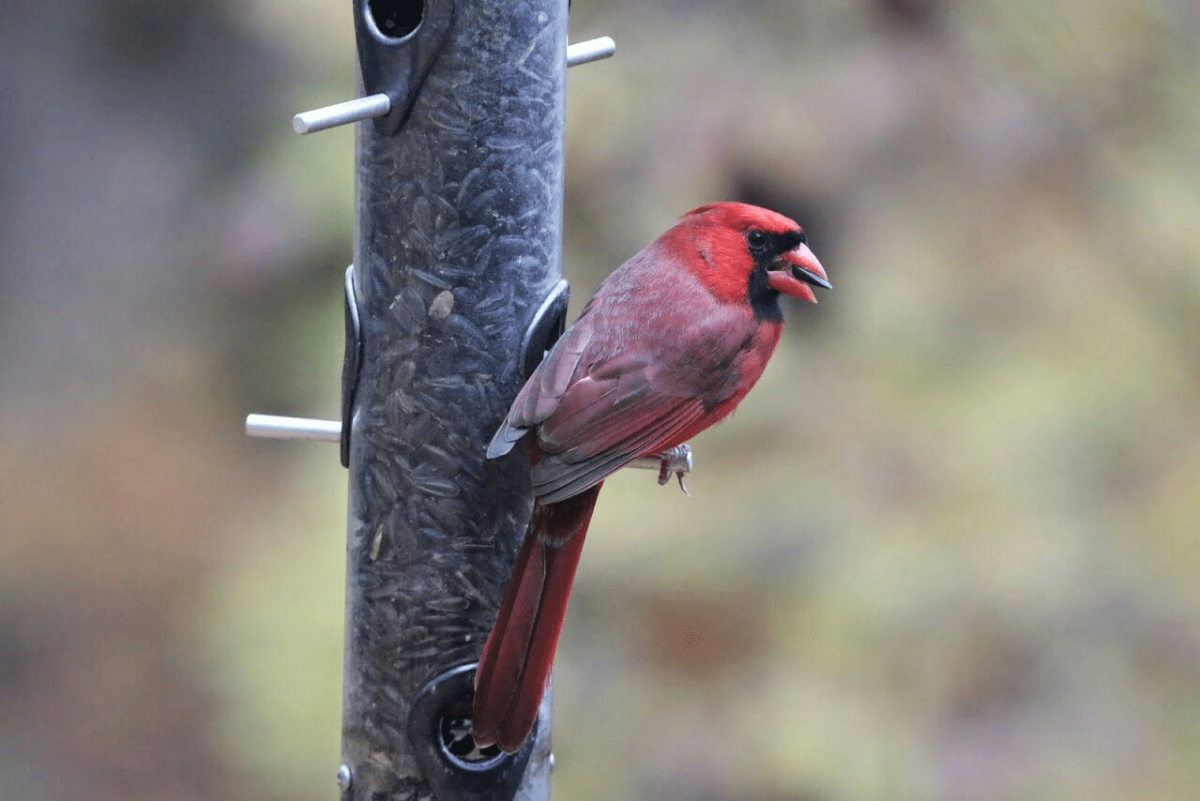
[{"x": 946, "y": 550}]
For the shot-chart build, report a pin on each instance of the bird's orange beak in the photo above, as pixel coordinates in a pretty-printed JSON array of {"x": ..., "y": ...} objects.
[{"x": 796, "y": 272}]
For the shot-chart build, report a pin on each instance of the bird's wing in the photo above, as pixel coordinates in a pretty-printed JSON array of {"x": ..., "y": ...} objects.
[
  {"x": 541, "y": 394},
  {"x": 608, "y": 413},
  {"x": 632, "y": 376},
  {"x": 647, "y": 430},
  {"x": 593, "y": 415}
]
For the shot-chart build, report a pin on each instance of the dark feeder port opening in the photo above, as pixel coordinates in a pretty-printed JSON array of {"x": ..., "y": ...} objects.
[
  {"x": 395, "y": 19},
  {"x": 458, "y": 745}
]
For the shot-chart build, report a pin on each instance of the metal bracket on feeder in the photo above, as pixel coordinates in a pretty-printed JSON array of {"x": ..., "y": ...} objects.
[
  {"x": 548, "y": 324},
  {"x": 379, "y": 106},
  {"x": 351, "y": 362}
]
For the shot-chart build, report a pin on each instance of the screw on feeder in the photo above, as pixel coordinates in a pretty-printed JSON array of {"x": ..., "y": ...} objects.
[{"x": 370, "y": 107}]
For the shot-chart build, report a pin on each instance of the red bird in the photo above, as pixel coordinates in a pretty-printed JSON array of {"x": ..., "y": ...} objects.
[{"x": 669, "y": 345}]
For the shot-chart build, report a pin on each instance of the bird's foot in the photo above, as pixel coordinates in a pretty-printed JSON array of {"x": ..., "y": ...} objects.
[{"x": 677, "y": 461}]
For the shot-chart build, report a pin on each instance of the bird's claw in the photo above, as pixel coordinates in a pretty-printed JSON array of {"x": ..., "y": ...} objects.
[{"x": 677, "y": 461}]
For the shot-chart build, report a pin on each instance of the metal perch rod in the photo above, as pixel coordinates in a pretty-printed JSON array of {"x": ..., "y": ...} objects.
[
  {"x": 270, "y": 426},
  {"x": 379, "y": 105}
]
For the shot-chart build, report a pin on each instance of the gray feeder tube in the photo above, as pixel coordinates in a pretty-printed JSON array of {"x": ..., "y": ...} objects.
[{"x": 454, "y": 295}]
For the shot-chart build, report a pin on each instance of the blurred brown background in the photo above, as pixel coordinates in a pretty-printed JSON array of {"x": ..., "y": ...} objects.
[{"x": 946, "y": 550}]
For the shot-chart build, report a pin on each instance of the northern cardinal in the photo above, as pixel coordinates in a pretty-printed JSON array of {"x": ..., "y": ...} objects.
[{"x": 669, "y": 345}]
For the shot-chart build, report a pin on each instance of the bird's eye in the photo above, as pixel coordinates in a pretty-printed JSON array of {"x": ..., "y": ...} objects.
[{"x": 757, "y": 239}]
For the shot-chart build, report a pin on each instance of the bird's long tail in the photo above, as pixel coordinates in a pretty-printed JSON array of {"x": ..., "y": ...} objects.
[{"x": 519, "y": 653}]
